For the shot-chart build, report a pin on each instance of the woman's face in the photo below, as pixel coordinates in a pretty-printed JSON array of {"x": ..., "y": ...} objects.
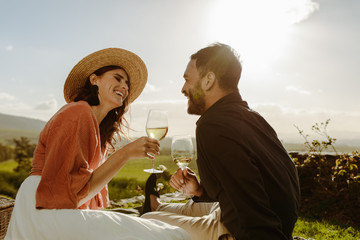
[{"x": 113, "y": 88}]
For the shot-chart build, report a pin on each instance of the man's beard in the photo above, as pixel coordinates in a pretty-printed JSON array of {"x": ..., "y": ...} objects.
[{"x": 196, "y": 104}]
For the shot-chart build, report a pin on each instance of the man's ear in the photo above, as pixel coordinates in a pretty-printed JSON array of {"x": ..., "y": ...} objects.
[
  {"x": 93, "y": 78},
  {"x": 209, "y": 81}
]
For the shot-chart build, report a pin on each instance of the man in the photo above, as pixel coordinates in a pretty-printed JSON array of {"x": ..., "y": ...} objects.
[{"x": 243, "y": 167}]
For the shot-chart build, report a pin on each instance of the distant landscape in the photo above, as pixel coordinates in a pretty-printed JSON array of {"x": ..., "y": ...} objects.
[{"x": 15, "y": 127}]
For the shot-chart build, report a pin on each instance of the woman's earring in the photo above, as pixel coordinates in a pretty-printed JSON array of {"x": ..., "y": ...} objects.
[
  {"x": 93, "y": 98},
  {"x": 94, "y": 89}
]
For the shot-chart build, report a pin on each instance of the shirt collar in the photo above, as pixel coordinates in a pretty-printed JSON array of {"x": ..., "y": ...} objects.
[{"x": 233, "y": 97}]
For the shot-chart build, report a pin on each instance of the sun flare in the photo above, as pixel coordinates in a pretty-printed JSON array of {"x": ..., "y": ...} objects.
[{"x": 258, "y": 29}]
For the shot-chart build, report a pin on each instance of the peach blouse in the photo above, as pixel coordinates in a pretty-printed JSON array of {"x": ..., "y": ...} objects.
[{"x": 68, "y": 151}]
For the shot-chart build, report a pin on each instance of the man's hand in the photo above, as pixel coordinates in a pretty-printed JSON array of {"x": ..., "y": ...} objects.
[{"x": 186, "y": 181}]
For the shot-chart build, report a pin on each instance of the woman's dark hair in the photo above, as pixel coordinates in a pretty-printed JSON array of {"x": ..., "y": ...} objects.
[{"x": 114, "y": 121}]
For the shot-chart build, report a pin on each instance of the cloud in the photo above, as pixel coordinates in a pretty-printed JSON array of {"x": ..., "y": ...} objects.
[
  {"x": 297, "y": 90},
  {"x": 9, "y": 48},
  {"x": 21, "y": 109},
  {"x": 43, "y": 111},
  {"x": 343, "y": 125},
  {"x": 281, "y": 12},
  {"x": 49, "y": 105},
  {"x": 6, "y": 96},
  {"x": 298, "y": 10}
]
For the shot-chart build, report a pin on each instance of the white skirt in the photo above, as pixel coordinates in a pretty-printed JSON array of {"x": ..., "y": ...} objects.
[{"x": 27, "y": 222}]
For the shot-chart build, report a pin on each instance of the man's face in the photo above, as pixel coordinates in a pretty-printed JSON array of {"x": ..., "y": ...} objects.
[{"x": 192, "y": 89}]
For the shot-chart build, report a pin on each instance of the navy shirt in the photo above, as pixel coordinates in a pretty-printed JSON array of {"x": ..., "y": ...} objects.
[{"x": 243, "y": 166}]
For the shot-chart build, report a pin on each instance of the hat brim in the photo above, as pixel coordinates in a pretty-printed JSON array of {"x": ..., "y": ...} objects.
[{"x": 130, "y": 62}]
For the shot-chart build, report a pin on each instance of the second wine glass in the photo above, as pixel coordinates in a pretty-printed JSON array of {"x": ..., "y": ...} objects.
[
  {"x": 182, "y": 151},
  {"x": 156, "y": 127}
]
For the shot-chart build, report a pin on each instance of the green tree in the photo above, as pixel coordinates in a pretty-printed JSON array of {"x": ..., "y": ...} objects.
[
  {"x": 23, "y": 153},
  {"x": 6, "y": 152}
]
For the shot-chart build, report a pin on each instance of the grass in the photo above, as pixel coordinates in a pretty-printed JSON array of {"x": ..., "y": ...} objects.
[
  {"x": 132, "y": 169},
  {"x": 8, "y": 166},
  {"x": 322, "y": 230}
]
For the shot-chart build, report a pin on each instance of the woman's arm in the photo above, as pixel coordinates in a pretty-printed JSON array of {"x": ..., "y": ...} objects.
[{"x": 140, "y": 148}]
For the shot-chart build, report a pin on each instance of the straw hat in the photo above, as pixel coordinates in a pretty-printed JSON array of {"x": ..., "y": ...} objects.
[{"x": 130, "y": 62}]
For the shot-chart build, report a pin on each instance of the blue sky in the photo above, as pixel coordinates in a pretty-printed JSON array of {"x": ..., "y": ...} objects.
[{"x": 300, "y": 57}]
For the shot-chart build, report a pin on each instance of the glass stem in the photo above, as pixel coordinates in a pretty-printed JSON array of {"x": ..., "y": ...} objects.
[{"x": 153, "y": 164}]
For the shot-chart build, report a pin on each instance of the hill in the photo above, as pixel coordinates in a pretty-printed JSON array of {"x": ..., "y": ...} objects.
[
  {"x": 20, "y": 123},
  {"x": 15, "y": 127}
]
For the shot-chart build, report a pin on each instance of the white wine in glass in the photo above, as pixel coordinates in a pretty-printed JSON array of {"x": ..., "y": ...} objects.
[
  {"x": 182, "y": 162},
  {"x": 157, "y": 128},
  {"x": 157, "y": 133},
  {"x": 182, "y": 151}
]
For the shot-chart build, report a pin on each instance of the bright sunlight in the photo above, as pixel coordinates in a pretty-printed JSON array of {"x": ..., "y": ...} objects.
[{"x": 258, "y": 29}]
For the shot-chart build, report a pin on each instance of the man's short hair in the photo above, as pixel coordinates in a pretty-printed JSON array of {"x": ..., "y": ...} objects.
[{"x": 223, "y": 61}]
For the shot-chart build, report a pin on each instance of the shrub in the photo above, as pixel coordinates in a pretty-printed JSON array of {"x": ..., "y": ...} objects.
[
  {"x": 6, "y": 152},
  {"x": 120, "y": 188},
  {"x": 330, "y": 185},
  {"x": 10, "y": 182}
]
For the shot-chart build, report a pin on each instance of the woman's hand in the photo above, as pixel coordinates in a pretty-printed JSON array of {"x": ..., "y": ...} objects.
[{"x": 142, "y": 147}]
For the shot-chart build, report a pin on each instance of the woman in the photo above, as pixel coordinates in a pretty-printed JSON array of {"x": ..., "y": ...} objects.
[{"x": 69, "y": 170}]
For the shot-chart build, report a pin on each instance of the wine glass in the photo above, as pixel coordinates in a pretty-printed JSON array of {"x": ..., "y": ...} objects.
[
  {"x": 156, "y": 127},
  {"x": 182, "y": 151}
]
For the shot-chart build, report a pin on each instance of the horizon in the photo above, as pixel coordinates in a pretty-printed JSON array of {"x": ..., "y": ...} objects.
[
  {"x": 300, "y": 57},
  {"x": 349, "y": 144}
]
